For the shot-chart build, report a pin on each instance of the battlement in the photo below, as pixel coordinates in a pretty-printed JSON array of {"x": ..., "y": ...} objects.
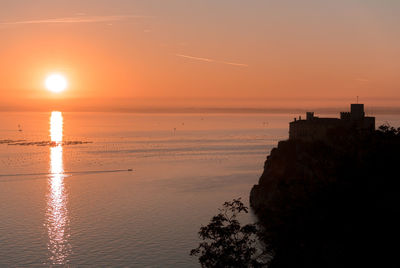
[{"x": 315, "y": 128}]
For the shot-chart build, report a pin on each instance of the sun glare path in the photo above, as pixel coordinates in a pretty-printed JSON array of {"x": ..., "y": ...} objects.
[
  {"x": 56, "y": 127},
  {"x": 57, "y": 220}
]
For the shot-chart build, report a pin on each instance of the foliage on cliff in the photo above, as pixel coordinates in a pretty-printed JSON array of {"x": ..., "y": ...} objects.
[
  {"x": 334, "y": 203},
  {"x": 228, "y": 244}
]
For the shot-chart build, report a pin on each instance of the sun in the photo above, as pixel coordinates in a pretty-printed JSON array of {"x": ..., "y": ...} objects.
[{"x": 56, "y": 83}]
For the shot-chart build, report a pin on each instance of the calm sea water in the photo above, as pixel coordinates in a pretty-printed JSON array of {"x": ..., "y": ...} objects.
[{"x": 76, "y": 203}]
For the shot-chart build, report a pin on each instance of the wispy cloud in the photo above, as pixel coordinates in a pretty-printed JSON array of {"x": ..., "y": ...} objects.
[
  {"x": 194, "y": 58},
  {"x": 76, "y": 19},
  {"x": 211, "y": 60},
  {"x": 362, "y": 80}
]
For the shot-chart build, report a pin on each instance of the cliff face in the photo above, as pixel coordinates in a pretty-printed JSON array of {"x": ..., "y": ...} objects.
[{"x": 331, "y": 204}]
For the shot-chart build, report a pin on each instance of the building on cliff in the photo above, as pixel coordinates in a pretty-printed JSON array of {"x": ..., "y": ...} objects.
[{"x": 315, "y": 128}]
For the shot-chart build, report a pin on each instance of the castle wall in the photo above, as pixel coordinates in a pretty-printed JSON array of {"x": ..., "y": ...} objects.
[{"x": 315, "y": 128}]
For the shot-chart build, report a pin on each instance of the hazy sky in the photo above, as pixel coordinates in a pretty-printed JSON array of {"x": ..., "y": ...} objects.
[{"x": 214, "y": 52}]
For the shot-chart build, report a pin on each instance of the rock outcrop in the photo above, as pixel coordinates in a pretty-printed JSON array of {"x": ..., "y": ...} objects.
[{"x": 332, "y": 204}]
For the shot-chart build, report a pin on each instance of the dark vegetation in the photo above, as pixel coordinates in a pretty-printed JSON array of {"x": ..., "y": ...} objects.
[
  {"x": 320, "y": 204},
  {"x": 228, "y": 244},
  {"x": 388, "y": 131}
]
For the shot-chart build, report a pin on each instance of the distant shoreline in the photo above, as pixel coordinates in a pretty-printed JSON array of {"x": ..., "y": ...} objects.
[{"x": 204, "y": 110}]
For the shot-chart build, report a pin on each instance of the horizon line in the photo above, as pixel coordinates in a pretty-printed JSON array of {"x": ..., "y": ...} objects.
[{"x": 370, "y": 110}]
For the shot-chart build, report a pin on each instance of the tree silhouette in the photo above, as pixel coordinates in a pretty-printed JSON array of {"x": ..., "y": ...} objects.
[
  {"x": 388, "y": 130},
  {"x": 228, "y": 244}
]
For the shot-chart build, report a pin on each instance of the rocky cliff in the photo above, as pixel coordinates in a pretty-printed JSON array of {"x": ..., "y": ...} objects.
[{"x": 332, "y": 204}]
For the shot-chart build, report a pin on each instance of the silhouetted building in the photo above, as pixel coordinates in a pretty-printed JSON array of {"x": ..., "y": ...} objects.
[{"x": 315, "y": 128}]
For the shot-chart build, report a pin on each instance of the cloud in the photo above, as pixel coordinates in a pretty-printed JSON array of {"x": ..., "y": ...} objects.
[
  {"x": 194, "y": 58},
  {"x": 76, "y": 19},
  {"x": 362, "y": 80},
  {"x": 211, "y": 60}
]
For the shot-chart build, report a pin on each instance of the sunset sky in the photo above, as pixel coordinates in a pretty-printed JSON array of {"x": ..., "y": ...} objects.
[{"x": 159, "y": 53}]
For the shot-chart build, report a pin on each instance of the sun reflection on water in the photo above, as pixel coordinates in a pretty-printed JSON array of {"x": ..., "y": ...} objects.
[
  {"x": 57, "y": 221},
  {"x": 56, "y": 127}
]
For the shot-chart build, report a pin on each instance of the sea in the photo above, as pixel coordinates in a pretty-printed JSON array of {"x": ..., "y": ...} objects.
[{"x": 124, "y": 189}]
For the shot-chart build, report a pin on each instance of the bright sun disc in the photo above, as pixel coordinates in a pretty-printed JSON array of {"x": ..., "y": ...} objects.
[{"x": 56, "y": 83}]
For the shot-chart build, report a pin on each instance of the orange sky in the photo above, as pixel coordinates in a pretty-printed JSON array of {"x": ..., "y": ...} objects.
[{"x": 199, "y": 53}]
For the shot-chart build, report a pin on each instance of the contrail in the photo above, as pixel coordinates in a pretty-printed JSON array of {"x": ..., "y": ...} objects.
[
  {"x": 77, "y": 19},
  {"x": 212, "y": 60},
  {"x": 194, "y": 58}
]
